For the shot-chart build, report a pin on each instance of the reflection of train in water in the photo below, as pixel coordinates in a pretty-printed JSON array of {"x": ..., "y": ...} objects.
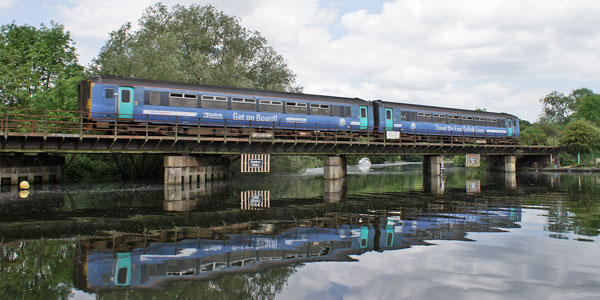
[{"x": 100, "y": 269}]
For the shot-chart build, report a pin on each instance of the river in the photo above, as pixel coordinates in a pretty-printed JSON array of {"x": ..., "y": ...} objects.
[{"x": 385, "y": 232}]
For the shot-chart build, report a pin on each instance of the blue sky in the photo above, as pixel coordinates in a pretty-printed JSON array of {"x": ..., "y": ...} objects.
[{"x": 502, "y": 55}]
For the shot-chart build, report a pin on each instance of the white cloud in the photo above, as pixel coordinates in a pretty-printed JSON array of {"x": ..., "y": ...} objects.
[{"x": 7, "y": 3}]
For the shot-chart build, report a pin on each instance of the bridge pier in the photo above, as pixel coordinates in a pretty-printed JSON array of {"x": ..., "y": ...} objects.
[
  {"x": 502, "y": 163},
  {"x": 433, "y": 184},
  {"x": 334, "y": 190},
  {"x": 334, "y": 167},
  {"x": 192, "y": 169},
  {"x": 34, "y": 169},
  {"x": 432, "y": 165}
]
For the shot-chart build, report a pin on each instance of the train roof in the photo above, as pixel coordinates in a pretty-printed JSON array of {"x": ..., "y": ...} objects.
[
  {"x": 223, "y": 89},
  {"x": 446, "y": 109}
]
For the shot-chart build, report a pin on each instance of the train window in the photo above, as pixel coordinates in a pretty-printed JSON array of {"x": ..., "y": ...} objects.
[
  {"x": 423, "y": 117},
  {"x": 405, "y": 115},
  {"x": 501, "y": 123},
  {"x": 125, "y": 96},
  {"x": 295, "y": 108},
  {"x": 270, "y": 106},
  {"x": 180, "y": 99},
  {"x": 348, "y": 113},
  {"x": 363, "y": 112},
  {"x": 479, "y": 121},
  {"x": 109, "y": 93},
  {"x": 453, "y": 119},
  {"x": 154, "y": 98},
  {"x": 243, "y": 104},
  {"x": 467, "y": 120},
  {"x": 319, "y": 109},
  {"x": 388, "y": 114},
  {"x": 439, "y": 118},
  {"x": 214, "y": 102}
]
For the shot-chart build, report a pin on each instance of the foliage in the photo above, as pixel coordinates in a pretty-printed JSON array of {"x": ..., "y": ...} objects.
[
  {"x": 195, "y": 44},
  {"x": 533, "y": 136},
  {"x": 33, "y": 62},
  {"x": 580, "y": 136},
  {"x": 557, "y": 107},
  {"x": 294, "y": 163},
  {"x": 122, "y": 166},
  {"x": 588, "y": 108}
]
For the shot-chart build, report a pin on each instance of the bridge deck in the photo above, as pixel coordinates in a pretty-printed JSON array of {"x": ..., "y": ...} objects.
[{"x": 38, "y": 131}]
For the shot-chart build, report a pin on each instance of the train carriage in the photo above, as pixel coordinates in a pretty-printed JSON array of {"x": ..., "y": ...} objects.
[
  {"x": 135, "y": 100},
  {"x": 413, "y": 119}
]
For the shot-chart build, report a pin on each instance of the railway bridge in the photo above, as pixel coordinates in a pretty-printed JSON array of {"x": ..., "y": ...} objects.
[{"x": 199, "y": 147}]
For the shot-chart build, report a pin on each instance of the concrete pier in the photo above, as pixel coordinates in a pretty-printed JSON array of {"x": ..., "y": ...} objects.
[
  {"x": 34, "y": 169},
  {"x": 432, "y": 165},
  {"x": 193, "y": 169},
  {"x": 334, "y": 190},
  {"x": 502, "y": 163},
  {"x": 334, "y": 167}
]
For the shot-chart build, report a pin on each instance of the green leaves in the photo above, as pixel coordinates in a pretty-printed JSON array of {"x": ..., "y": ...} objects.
[
  {"x": 195, "y": 44},
  {"x": 580, "y": 136},
  {"x": 33, "y": 61}
]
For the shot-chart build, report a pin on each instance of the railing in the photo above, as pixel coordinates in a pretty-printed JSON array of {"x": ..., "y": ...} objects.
[{"x": 17, "y": 121}]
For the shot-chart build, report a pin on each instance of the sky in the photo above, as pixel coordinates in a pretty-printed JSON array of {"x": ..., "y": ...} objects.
[{"x": 501, "y": 55}]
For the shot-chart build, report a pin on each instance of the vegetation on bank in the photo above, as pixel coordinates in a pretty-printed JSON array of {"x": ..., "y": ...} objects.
[{"x": 199, "y": 44}]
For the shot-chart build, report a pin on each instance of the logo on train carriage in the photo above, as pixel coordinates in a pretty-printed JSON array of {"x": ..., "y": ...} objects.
[
  {"x": 413, "y": 126},
  {"x": 342, "y": 122}
]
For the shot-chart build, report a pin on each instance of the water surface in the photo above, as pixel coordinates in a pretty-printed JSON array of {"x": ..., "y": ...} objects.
[{"x": 382, "y": 233}]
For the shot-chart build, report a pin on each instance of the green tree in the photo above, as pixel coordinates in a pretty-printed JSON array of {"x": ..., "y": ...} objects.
[
  {"x": 34, "y": 61},
  {"x": 557, "y": 107},
  {"x": 580, "y": 136},
  {"x": 588, "y": 108},
  {"x": 533, "y": 135},
  {"x": 195, "y": 44}
]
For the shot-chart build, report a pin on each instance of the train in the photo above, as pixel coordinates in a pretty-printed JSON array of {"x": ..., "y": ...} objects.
[{"x": 105, "y": 100}]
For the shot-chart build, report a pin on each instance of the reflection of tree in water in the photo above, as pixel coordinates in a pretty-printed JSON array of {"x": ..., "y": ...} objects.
[
  {"x": 40, "y": 269},
  {"x": 263, "y": 285}
]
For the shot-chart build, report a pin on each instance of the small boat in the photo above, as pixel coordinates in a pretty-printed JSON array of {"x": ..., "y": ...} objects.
[{"x": 364, "y": 161}]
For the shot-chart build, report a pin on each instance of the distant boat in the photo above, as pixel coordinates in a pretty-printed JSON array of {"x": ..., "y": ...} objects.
[
  {"x": 364, "y": 161},
  {"x": 364, "y": 165}
]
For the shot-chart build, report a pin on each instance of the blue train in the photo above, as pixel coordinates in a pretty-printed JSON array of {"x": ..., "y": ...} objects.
[{"x": 104, "y": 98}]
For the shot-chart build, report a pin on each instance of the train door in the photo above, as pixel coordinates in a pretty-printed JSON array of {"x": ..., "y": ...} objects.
[
  {"x": 123, "y": 269},
  {"x": 389, "y": 119},
  {"x": 125, "y": 108},
  {"x": 510, "y": 126},
  {"x": 364, "y": 237},
  {"x": 364, "y": 121}
]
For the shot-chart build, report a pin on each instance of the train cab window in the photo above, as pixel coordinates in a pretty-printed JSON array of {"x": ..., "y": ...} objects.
[
  {"x": 214, "y": 102},
  {"x": 154, "y": 98},
  {"x": 439, "y": 118},
  {"x": 467, "y": 120},
  {"x": 454, "y": 120},
  {"x": 320, "y": 109},
  {"x": 424, "y": 117},
  {"x": 270, "y": 106},
  {"x": 243, "y": 104},
  {"x": 295, "y": 108},
  {"x": 109, "y": 93}
]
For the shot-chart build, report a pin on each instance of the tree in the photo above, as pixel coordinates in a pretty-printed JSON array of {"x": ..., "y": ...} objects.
[
  {"x": 532, "y": 135},
  {"x": 33, "y": 61},
  {"x": 195, "y": 44},
  {"x": 580, "y": 136},
  {"x": 557, "y": 107},
  {"x": 588, "y": 108}
]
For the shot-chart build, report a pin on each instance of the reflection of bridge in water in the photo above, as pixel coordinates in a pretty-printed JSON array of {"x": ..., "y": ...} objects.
[{"x": 134, "y": 260}]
